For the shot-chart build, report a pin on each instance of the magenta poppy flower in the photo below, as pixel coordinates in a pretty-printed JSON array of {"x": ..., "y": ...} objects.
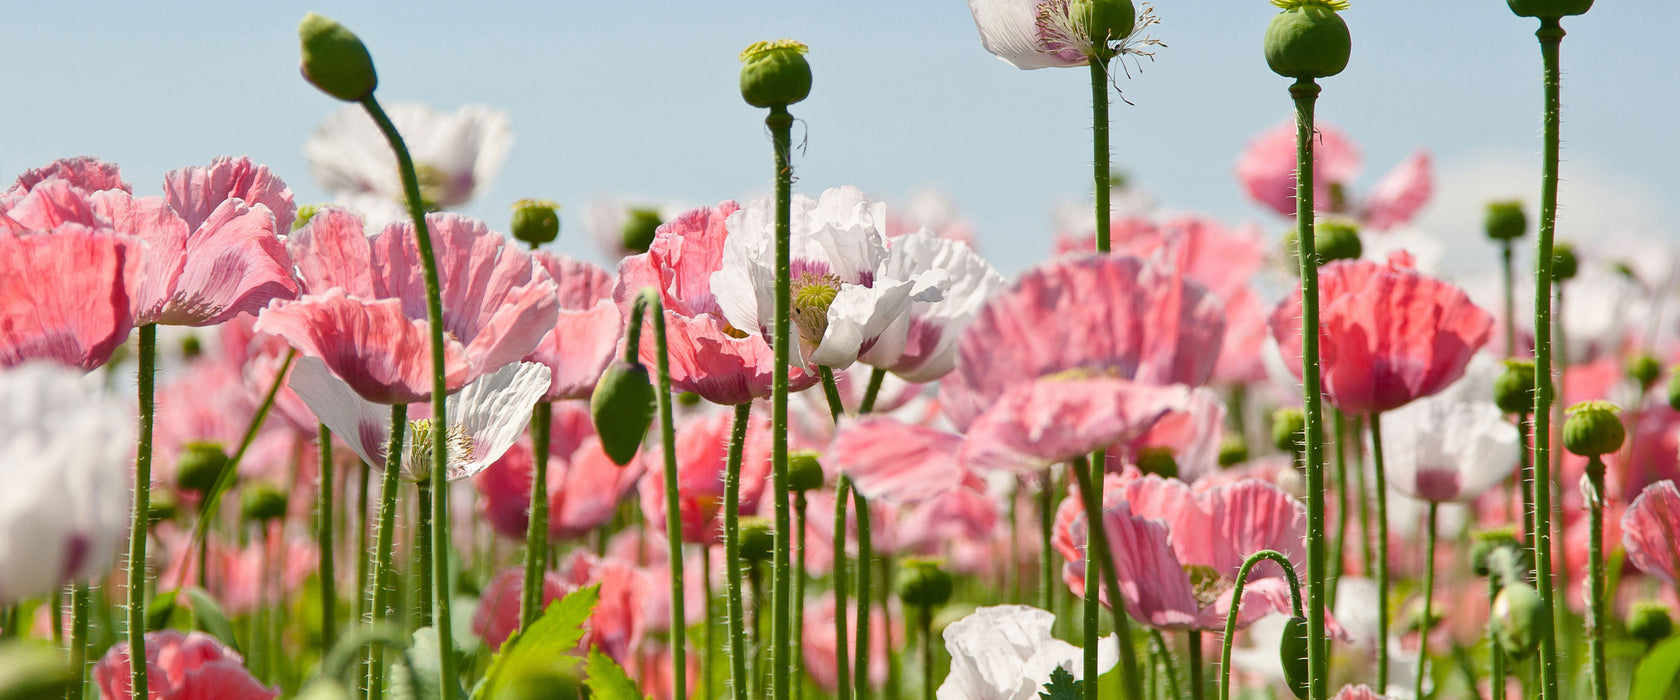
[
  {"x": 1651, "y": 532},
  {"x": 181, "y": 667},
  {"x": 1266, "y": 170},
  {"x": 1097, "y": 316},
  {"x": 587, "y": 327},
  {"x": 709, "y": 357},
  {"x": 1389, "y": 334},
  {"x": 702, "y": 452},
  {"x": 66, "y": 299}
]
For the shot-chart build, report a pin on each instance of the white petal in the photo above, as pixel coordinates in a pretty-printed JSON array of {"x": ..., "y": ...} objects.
[
  {"x": 1009, "y": 29},
  {"x": 365, "y": 426},
  {"x": 859, "y": 314},
  {"x": 494, "y": 410}
]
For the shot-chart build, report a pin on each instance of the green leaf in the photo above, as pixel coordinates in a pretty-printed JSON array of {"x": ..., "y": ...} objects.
[
  {"x": 159, "y": 610},
  {"x": 1655, "y": 675},
  {"x": 607, "y": 681},
  {"x": 427, "y": 671},
  {"x": 544, "y": 648},
  {"x": 1062, "y": 686},
  {"x": 208, "y": 616}
]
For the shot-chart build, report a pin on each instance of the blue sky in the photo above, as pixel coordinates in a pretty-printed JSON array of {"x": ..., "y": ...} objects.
[{"x": 640, "y": 98}]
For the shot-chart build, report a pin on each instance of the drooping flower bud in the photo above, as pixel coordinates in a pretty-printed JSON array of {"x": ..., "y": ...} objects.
[
  {"x": 1516, "y": 619},
  {"x": 922, "y": 583},
  {"x": 335, "y": 59},
  {"x": 1645, "y": 370},
  {"x": 775, "y": 74},
  {"x": 1289, "y": 428},
  {"x": 1337, "y": 239},
  {"x": 1565, "y": 264},
  {"x": 758, "y": 540},
  {"x": 262, "y": 502},
  {"x": 1505, "y": 220},
  {"x": 1308, "y": 40},
  {"x": 1513, "y": 389},
  {"x": 1549, "y": 8},
  {"x": 1593, "y": 428},
  {"x": 536, "y": 221},
  {"x": 1292, "y": 652},
  {"x": 622, "y": 408},
  {"x": 200, "y": 466},
  {"x": 805, "y": 473},
  {"x": 640, "y": 226},
  {"x": 1650, "y": 622}
]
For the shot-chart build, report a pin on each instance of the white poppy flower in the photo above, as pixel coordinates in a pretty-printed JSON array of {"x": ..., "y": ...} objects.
[
  {"x": 847, "y": 287},
  {"x": 485, "y": 417},
  {"x": 1441, "y": 449},
  {"x": 65, "y": 447},
  {"x": 455, "y": 155},
  {"x": 1031, "y": 34},
  {"x": 1006, "y": 652},
  {"x": 921, "y": 344}
]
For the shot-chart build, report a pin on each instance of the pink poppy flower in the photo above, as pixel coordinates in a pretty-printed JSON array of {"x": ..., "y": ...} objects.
[
  {"x": 1266, "y": 170},
  {"x": 584, "y": 490},
  {"x": 709, "y": 357},
  {"x": 85, "y": 173},
  {"x": 1357, "y": 692},
  {"x": 1111, "y": 315},
  {"x": 956, "y": 525},
  {"x": 191, "y": 666},
  {"x": 195, "y": 193},
  {"x": 587, "y": 328},
  {"x": 1651, "y": 532},
  {"x": 886, "y": 459},
  {"x": 365, "y": 315},
  {"x": 702, "y": 452},
  {"x": 615, "y": 624},
  {"x": 820, "y": 640},
  {"x": 66, "y": 298},
  {"x": 1033, "y": 426},
  {"x": 239, "y": 576},
  {"x": 1389, "y": 334},
  {"x": 1193, "y": 434},
  {"x": 48, "y": 205}
]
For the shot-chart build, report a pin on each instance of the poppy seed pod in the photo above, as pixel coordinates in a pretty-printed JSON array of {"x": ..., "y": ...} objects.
[
  {"x": 161, "y": 507},
  {"x": 640, "y": 226},
  {"x": 622, "y": 409},
  {"x": 1289, "y": 427},
  {"x": 1593, "y": 428},
  {"x": 1645, "y": 370},
  {"x": 758, "y": 540},
  {"x": 922, "y": 583},
  {"x": 263, "y": 502},
  {"x": 775, "y": 74},
  {"x": 1158, "y": 461},
  {"x": 1292, "y": 652},
  {"x": 805, "y": 473},
  {"x": 200, "y": 466},
  {"x": 1337, "y": 239},
  {"x": 1649, "y": 622},
  {"x": 335, "y": 59},
  {"x": 1516, "y": 619},
  {"x": 1505, "y": 221},
  {"x": 1513, "y": 389},
  {"x": 1549, "y": 8},
  {"x": 1233, "y": 451},
  {"x": 1484, "y": 546},
  {"x": 1308, "y": 40},
  {"x": 1674, "y": 389},
  {"x": 1110, "y": 21},
  {"x": 536, "y": 221},
  {"x": 1564, "y": 262}
]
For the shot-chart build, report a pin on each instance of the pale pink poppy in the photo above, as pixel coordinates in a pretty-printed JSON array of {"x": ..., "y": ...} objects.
[
  {"x": 1357, "y": 692},
  {"x": 1192, "y": 433},
  {"x": 958, "y": 522},
  {"x": 1389, "y": 334},
  {"x": 649, "y": 552},
  {"x": 709, "y": 357},
  {"x": 190, "y": 666},
  {"x": 238, "y": 574},
  {"x": 921, "y": 344},
  {"x": 66, "y": 300},
  {"x": 587, "y": 327},
  {"x": 1266, "y": 170},
  {"x": 85, "y": 173},
  {"x": 584, "y": 489},
  {"x": 49, "y": 204},
  {"x": 195, "y": 192},
  {"x": 820, "y": 640},
  {"x": 1033, "y": 426},
  {"x": 702, "y": 452},
  {"x": 1097, "y": 315},
  {"x": 885, "y": 458},
  {"x": 1651, "y": 532}
]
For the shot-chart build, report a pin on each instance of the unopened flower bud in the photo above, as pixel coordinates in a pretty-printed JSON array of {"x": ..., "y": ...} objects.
[
  {"x": 1513, "y": 389},
  {"x": 640, "y": 226},
  {"x": 1650, "y": 622},
  {"x": 1234, "y": 450},
  {"x": 1645, "y": 370},
  {"x": 191, "y": 346},
  {"x": 1292, "y": 652},
  {"x": 263, "y": 502},
  {"x": 1158, "y": 461},
  {"x": 1308, "y": 39},
  {"x": 536, "y": 221},
  {"x": 1593, "y": 428},
  {"x": 922, "y": 583},
  {"x": 200, "y": 466},
  {"x": 1516, "y": 619},
  {"x": 1289, "y": 428},
  {"x": 1564, "y": 262},
  {"x": 1505, "y": 221},
  {"x": 622, "y": 408},
  {"x": 1549, "y": 8},
  {"x": 775, "y": 74},
  {"x": 758, "y": 540},
  {"x": 335, "y": 59},
  {"x": 688, "y": 398},
  {"x": 805, "y": 473}
]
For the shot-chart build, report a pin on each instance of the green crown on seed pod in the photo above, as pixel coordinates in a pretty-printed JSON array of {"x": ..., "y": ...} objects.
[
  {"x": 622, "y": 408},
  {"x": 1650, "y": 622},
  {"x": 1505, "y": 221},
  {"x": 640, "y": 226},
  {"x": 536, "y": 221},
  {"x": 775, "y": 73},
  {"x": 1513, "y": 389},
  {"x": 1485, "y": 544},
  {"x": 335, "y": 59},
  {"x": 805, "y": 473},
  {"x": 1292, "y": 652},
  {"x": 200, "y": 466},
  {"x": 1565, "y": 264},
  {"x": 1308, "y": 40},
  {"x": 1516, "y": 619},
  {"x": 1593, "y": 428},
  {"x": 923, "y": 583},
  {"x": 1549, "y": 8}
]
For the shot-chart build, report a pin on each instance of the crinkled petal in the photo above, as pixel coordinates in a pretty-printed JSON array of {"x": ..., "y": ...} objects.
[
  {"x": 381, "y": 353},
  {"x": 197, "y": 191},
  {"x": 887, "y": 459},
  {"x": 66, "y": 298},
  {"x": 1651, "y": 532},
  {"x": 1036, "y": 425}
]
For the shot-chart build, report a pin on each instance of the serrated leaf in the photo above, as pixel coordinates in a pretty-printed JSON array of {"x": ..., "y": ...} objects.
[
  {"x": 1655, "y": 675},
  {"x": 1062, "y": 686},
  {"x": 607, "y": 681},
  {"x": 208, "y": 616},
  {"x": 545, "y": 646}
]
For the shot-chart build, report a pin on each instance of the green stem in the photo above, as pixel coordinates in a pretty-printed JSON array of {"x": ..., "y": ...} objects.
[
  {"x": 885, "y": 579},
  {"x": 876, "y": 377},
  {"x": 1428, "y": 601},
  {"x": 842, "y": 657},
  {"x": 1099, "y": 152},
  {"x": 324, "y": 543},
  {"x": 1305, "y": 93},
  {"x": 798, "y": 656},
  {"x": 1550, "y": 36},
  {"x": 781, "y": 131},
  {"x": 423, "y": 554},
  {"x": 1338, "y": 423},
  {"x": 384, "y": 543},
  {"x": 536, "y": 531},
  {"x": 1088, "y": 476},
  {"x": 1381, "y": 496},
  {"x": 1236, "y": 608},
  {"x": 734, "y": 611},
  {"x": 924, "y": 621},
  {"x": 56, "y": 609},
  {"x": 1196, "y": 690},
  {"x": 440, "y": 390},
  {"x": 673, "y": 508},
  {"x": 79, "y": 638},
  {"x": 137, "y": 527},
  {"x": 1597, "y": 612},
  {"x": 1527, "y": 476},
  {"x": 364, "y": 587},
  {"x": 831, "y": 392},
  {"x": 860, "y": 651},
  {"x": 1046, "y": 530},
  {"x": 1496, "y": 655},
  {"x": 1167, "y": 665},
  {"x": 1509, "y": 272},
  {"x": 709, "y": 624}
]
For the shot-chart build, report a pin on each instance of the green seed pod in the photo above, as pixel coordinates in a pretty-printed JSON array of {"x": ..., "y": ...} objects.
[
  {"x": 191, "y": 346},
  {"x": 640, "y": 226},
  {"x": 622, "y": 407},
  {"x": 1308, "y": 40},
  {"x": 335, "y": 59},
  {"x": 201, "y": 464},
  {"x": 688, "y": 398},
  {"x": 758, "y": 540},
  {"x": 262, "y": 502},
  {"x": 1505, "y": 221},
  {"x": 1336, "y": 239},
  {"x": 1674, "y": 388},
  {"x": 1513, "y": 389},
  {"x": 922, "y": 583},
  {"x": 775, "y": 74},
  {"x": 1485, "y": 543},
  {"x": 1109, "y": 21},
  {"x": 1593, "y": 428},
  {"x": 1650, "y": 622},
  {"x": 1516, "y": 619},
  {"x": 536, "y": 221},
  {"x": 1549, "y": 8},
  {"x": 1645, "y": 370},
  {"x": 1158, "y": 461},
  {"x": 805, "y": 473},
  {"x": 1233, "y": 451},
  {"x": 1289, "y": 428},
  {"x": 1564, "y": 262},
  {"x": 161, "y": 507},
  {"x": 1292, "y": 651}
]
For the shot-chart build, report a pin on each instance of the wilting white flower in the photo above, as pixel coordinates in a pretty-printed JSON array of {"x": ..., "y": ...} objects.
[
  {"x": 455, "y": 155},
  {"x": 921, "y": 344},
  {"x": 847, "y": 287},
  {"x": 65, "y": 448},
  {"x": 1006, "y": 652},
  {"x": 1441, "y": 449},
  {"x": 485, "y": 417}
]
